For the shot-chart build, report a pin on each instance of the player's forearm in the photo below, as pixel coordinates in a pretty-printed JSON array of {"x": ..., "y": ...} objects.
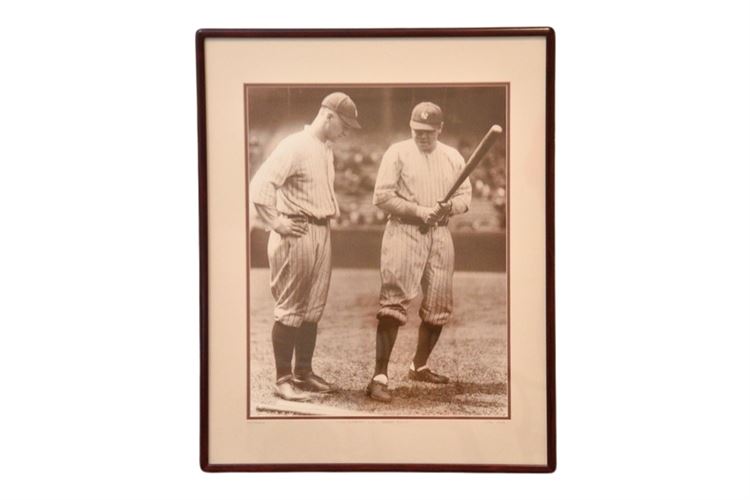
[
  {"x": 459, "y": 205},
  {"x": 269, "y": 216},
  {"x": 461, "y": 200},
  {"x": 263, "y": 188},
  {"x": 395, "y": 205}
]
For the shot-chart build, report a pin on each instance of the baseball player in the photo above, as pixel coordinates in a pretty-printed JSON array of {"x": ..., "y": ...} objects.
[
  {"x": 293, "y": 194},
  {"x": 417, "y": 247}
]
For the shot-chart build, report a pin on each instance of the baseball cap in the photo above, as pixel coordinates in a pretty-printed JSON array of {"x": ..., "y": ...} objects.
[
  {"x": 426, "y": 116},
  {"x": 343, "y": 105}
]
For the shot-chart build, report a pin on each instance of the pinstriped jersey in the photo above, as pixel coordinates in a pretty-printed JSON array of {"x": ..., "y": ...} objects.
[
  {"x": 408, "y": 178},
  {"x": 297, "y": 178}
]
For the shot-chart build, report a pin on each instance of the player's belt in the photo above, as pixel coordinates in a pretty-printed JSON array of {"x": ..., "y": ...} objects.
[
  {"x": 415, "y": 221},
  {"x": 318, "y": 221}
]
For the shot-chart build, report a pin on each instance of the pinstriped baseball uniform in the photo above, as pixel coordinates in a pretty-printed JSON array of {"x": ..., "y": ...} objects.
[
  {"x": 407, "y": 179},
  {"x": 297, "y": 178}
]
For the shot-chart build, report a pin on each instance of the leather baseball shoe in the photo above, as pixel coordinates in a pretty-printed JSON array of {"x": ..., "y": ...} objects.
[
  {"x": 285, "y": 390},
  {"x": 313, "y": 383},
  {"x": 379, "y": 392},
  {"x": 427, "y": 375}
]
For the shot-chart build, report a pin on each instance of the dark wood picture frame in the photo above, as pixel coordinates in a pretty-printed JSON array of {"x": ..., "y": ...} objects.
[{"x": 549, "y": 36}]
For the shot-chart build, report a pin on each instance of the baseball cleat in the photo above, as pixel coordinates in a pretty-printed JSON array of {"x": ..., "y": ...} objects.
[
  {"x": 427, "y": 375},
  {"x": 379, "y": 392},
  {"x": 285, "y": 390},
  {"x": 313, "y": 383}
]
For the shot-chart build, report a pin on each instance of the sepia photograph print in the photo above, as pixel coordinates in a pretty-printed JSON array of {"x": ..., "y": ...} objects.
[{"x": 377, "y": 250}]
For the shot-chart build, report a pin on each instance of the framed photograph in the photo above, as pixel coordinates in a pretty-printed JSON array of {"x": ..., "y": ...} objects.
[{"x": 377, "y": 250}]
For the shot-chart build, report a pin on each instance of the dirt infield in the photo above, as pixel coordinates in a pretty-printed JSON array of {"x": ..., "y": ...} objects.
[{"x": 472, "y": 350}]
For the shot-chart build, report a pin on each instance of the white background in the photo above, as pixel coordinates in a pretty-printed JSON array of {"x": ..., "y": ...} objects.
[{"x": 99, "y": 253}]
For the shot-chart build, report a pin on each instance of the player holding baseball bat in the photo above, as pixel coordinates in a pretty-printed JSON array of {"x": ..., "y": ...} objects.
[{"x": 417, "y": 249}]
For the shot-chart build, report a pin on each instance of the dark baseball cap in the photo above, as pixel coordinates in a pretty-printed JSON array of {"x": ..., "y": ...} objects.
[
  {"x": 343, "y": 106},
  {"x": 426, "y": 116}
]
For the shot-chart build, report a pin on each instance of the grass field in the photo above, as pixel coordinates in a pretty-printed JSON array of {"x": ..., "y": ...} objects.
[{"x": 472, "y": 350}]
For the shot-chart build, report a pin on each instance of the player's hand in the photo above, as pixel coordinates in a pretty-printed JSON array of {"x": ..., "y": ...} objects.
[
  {"x": 438, "y": 212},
  {"x": 294, "y": 226},
  {"x": 426, "y": 214},
  {"x": 432, "y": 215},
  {"x": 445, "y": 209}
]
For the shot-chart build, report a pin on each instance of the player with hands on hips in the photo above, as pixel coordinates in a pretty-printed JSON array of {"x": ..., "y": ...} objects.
[
  {"x": 293, "y": 195},
  {"x": 417, "y": 249}
]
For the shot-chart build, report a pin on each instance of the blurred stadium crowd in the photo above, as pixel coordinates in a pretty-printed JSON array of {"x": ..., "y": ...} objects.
[{"x": 357, "y": 163}]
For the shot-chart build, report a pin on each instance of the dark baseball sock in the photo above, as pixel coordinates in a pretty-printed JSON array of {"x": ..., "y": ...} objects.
[
  {"x": 282, "y": 338},
  {"x": 304, "y": 348},
  {"x": 385, "y": 339},
  {"x": 428, "y": 337}
]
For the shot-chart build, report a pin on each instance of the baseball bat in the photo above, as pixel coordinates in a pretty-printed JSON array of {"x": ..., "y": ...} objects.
[{"x": 484, "y": 145}]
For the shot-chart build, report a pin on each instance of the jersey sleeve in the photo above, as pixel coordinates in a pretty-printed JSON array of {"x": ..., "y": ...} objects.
[
  {"x": 461, "y": 199},
  {"x": 271, "y": 175},
  {"x": 385, "y": 195}
]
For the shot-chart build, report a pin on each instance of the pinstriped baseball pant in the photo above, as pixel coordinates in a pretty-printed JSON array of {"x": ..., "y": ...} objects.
[
  {"x": 410, "y": 260},
  {"x": 300, "y": 274}
]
